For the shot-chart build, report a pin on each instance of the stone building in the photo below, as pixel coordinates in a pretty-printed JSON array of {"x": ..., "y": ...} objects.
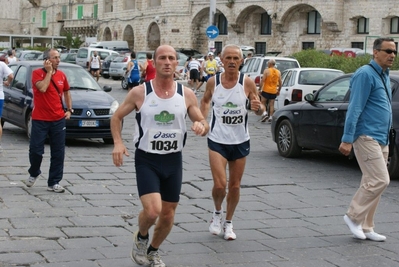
[{"x": 269, "y": 25}]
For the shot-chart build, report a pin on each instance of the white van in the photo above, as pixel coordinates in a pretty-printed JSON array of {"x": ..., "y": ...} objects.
[
  {"x": 84, "y": 54},
  {"x": 255, "y": 66},
  {"x": 246, "y": 49},
  {"x": 110, "y": 44}
]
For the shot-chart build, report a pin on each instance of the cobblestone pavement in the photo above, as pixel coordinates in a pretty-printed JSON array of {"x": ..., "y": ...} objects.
[{"x": 290, "y": 211}]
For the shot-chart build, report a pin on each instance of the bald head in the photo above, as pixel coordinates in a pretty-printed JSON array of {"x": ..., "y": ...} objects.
[{"x": 163, "y": 48}]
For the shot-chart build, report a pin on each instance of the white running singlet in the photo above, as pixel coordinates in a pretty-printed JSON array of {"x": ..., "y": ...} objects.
[
  {"x": 161, "y": 123},
  {"x": 229, "y": 120}
]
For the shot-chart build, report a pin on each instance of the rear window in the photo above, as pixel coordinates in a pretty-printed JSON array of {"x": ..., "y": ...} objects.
[
  {"x": 283, "y": 65},
  {"x": 118, "y": 59},
  {"x": 317, "y": 77}
]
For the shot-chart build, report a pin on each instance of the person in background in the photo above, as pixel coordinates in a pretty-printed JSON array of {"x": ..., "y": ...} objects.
[
  {"x": 367, "y": 124},
  {"x": 195, "y": 68},
  {"x": 161, "y": 106},
  {"x": 202, "y": 74},
  {"x": 270, "y": 86},
  {"x": 6, "y": 76},
  {"x": 231, "y": 94},
  {"x": 248, "y": 57},
  {"x": 186, "y": 70},
  {"x": 220, "y": 63},
  {"x": 10, "y": 57},
  {"x": 48, "y": 120},
  {"x": 211, "y": 66},
  {"x": 133, "y": 69},
  {"x": 147, "y": 69},
  {"x": 95, "y": 65}
]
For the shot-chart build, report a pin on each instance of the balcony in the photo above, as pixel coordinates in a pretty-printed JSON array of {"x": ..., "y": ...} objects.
[{"x": 42, "y": 27}]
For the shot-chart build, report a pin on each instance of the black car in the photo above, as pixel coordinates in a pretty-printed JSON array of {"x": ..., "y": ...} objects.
[
  {"x": 190, "y": 52},
  {"x": 92, "y": 106},
  {"x": 105, "y": 65},
  {"x": 318, "y": 122}
]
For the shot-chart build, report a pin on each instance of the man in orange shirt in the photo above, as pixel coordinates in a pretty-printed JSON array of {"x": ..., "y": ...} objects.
[{"x": 270, "y": 86}]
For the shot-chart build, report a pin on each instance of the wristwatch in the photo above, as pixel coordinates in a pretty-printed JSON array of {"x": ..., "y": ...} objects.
[{"x": 70, "y": 110}]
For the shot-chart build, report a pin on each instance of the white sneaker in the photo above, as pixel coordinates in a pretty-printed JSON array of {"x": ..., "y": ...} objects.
[
  {"x": 228, "y": 231},
  {"x": 216, "y": 223},
  {"x": 155, "y": 260},
  {"x": 356, "y": 229},
  {"x": 139, "y": 251},
  {"x": 31, "y": 181},
  {"x": 56, "y": 188},
  {"x": 375, "y": 237}
]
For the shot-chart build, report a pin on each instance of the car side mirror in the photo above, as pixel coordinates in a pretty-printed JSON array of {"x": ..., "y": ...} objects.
[
  {"x": 309, "y": 98},
  {"x": 107, "y": 88},
  {"x": 20, "y": 86}
]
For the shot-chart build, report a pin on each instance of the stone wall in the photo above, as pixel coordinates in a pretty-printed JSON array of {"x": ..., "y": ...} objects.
[{"x": 182, "y": 23}]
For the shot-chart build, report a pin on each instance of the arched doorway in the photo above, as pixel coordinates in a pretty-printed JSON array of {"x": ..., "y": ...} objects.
[
  {"x": 128, "y": 36},
  {"x": 153, "y": 36}
]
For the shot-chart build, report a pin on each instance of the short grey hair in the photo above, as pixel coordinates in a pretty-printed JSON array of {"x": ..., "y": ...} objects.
[
  {"x": 232, "y": 46},
  {"x": 272, "y": 61}
]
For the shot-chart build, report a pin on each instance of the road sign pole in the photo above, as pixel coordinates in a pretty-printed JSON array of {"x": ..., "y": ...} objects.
[{"x": 212, "y": 11}]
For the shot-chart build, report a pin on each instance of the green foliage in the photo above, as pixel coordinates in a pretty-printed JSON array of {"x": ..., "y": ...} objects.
[
  {"x": 311, "y": 58},
  {"x": 72, "y": 42}
]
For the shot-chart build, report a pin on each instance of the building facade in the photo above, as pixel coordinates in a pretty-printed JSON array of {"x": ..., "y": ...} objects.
[{"x": 288, "y": 26}]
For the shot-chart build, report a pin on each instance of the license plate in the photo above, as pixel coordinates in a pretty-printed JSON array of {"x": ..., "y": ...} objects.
[
  {"x": 88, "y": 123},
  {"x": 113, "y": 70}
]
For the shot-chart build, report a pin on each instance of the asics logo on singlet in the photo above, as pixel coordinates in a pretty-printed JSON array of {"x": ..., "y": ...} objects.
[
  {"x": 232, "y": 112},
  {"x": 164, "y": 135}
]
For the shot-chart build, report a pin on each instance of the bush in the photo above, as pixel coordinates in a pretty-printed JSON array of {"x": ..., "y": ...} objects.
[{"x": 311, "y": 58}]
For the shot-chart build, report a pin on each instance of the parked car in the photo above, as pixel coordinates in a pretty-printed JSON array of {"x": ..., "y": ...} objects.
[
  {"x": 255, "y": 66},
  {"x": 28, "y": 54},
  {"x": 298, "y": 82},
  {"x": 182, "y": 58},
  {"x": 190, "y": 52},
  {"x": 318, "y": 122},
  {"x": 93, "y": 107},
  {"x": 105, "y": 65},
  {"x": 118, "y": 67},
  {"x": 68, "y": 57}
]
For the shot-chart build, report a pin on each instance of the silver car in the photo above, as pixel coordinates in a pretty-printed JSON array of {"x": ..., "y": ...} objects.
[{"x": 118, "y": 67}]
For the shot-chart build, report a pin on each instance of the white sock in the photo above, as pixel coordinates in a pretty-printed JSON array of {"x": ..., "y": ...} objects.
[{"x": 264, "y": 113}]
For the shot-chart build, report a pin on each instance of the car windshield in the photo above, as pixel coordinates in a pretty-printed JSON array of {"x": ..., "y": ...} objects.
[
  {"x": 317, "y": 77},
  {"x": 78, "y": 78}
]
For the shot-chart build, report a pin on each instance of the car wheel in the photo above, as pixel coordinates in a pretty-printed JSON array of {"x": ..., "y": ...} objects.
[
  {"x": 115, "y": 78},
  {"x": 393, "y": 165},
  {"x": 286, "y": 141},
  {"x": 105, "y": 76},
  {"x": 28, "y": 124},
  {"x": 108, "y": 141},
  {"x": 124, "y": 84}
]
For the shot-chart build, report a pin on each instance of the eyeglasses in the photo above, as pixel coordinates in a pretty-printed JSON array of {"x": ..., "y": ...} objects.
[{"x": 389, "y": 51}]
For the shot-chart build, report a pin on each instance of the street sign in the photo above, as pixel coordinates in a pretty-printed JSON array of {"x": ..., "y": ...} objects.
[{"x": 212, "y": 32}]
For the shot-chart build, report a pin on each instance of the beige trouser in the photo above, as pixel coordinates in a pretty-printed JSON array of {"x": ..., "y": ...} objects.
[{"x": 372, "y": 160}]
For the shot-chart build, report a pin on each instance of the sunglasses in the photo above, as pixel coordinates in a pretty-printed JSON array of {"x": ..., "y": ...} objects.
[{"x": 389, "y": 51}]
